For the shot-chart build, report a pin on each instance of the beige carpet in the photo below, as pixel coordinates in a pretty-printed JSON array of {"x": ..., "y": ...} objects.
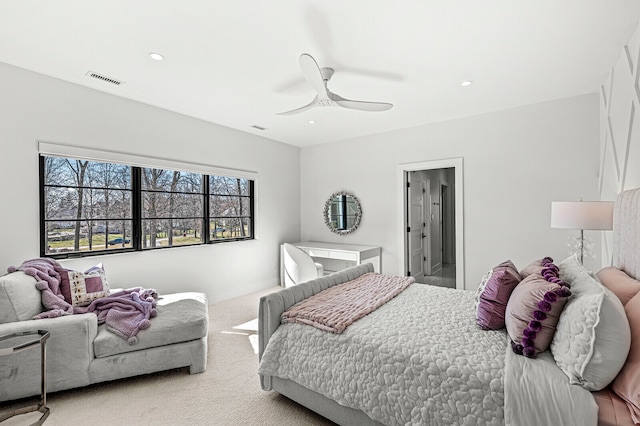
[{"x": 227, "y": 393}]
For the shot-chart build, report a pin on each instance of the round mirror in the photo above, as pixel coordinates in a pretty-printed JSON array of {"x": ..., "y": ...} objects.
[{"x": 342, "y": 213}]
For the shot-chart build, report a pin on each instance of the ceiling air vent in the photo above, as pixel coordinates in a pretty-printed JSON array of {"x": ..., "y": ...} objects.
[{"x": 104, "y": 78}]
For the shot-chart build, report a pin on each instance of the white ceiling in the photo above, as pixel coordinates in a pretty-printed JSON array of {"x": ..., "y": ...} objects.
[{"x": 235, "y": 63}]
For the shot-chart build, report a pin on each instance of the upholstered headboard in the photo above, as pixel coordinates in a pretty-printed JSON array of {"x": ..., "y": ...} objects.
[{"x": 626, "y": 232}]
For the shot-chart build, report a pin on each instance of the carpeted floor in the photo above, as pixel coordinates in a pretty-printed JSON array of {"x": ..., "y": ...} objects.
[{"x": 227, "y": 393}]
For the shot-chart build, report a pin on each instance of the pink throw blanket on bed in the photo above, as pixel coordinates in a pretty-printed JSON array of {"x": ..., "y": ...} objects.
[{"x": 337, "y": 307}]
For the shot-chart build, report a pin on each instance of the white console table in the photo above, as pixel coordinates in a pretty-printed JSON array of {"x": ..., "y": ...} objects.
[{"x": 336, "y": 256}]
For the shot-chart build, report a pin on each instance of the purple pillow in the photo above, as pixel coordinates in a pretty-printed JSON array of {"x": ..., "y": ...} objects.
[
  {"x": 493, "y": 294},
  {"x": 534, "y": 309}
]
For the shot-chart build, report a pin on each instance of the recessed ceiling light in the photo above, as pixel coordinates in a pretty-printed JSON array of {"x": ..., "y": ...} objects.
[
  {"x": 312, "y": 121},
  {"x": 156, "y": 56},
  {"x": 466, "y": 83}
]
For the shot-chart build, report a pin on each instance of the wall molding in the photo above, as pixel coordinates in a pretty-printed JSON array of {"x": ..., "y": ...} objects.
[{"x": 619, "y": 135}]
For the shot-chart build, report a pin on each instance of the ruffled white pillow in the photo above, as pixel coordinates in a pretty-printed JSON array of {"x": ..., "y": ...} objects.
[{"x": 592, "y": 338}]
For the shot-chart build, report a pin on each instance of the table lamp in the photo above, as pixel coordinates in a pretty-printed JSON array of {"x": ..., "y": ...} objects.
[{"x": 582, "y": 215}]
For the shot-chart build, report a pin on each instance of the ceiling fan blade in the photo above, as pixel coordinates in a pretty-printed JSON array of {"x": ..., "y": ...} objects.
[
  {"x": 312, "y": 74},
  {"x": 360, "y": 105},
  {"x": 310, "y": 105}
]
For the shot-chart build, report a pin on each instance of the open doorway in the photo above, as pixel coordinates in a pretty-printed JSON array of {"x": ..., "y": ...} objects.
[
  {"x": 431, "y": 226},
  {"x": 431, "y": 222}
]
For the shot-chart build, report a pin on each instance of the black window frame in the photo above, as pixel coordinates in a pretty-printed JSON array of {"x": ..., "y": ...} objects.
[{"x": 137, "y": 215}]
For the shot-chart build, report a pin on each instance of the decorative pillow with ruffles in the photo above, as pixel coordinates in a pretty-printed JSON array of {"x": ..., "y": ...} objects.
[
  {"x": 534, "y": 310},
  {"x": 592, "y": 338}
]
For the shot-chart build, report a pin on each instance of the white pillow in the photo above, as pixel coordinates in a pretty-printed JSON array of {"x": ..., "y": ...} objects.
[{"x": 592, "y": 338}]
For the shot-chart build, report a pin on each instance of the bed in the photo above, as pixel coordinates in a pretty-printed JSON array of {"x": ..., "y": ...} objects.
[{"x": 421, "y": 358}]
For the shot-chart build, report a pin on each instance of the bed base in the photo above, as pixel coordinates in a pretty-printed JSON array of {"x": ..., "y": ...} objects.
[
  {"x": 322, "y": 405},
  {"x": 271, "y": 308}
]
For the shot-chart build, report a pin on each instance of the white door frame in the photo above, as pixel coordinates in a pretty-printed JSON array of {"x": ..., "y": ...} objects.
[{"x": 401, "y": 186}]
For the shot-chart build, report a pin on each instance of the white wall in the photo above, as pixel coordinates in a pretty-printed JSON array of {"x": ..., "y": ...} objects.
[
  {"x": 34, "y": 107},
  {"x": 516, "y": 162},
  {"x": 620, "y": 130}
]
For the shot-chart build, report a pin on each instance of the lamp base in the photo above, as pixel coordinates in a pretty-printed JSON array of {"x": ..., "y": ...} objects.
[{"x": 581, "y": 246}]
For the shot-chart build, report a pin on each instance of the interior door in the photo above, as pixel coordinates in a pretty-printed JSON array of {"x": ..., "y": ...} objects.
[
  {"x": 426, "y": 206},
  {"x": 416, "y": 193}
]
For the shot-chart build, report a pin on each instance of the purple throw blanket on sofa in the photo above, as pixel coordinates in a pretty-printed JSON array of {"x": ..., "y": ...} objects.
[{"x": 124, "y": 313}]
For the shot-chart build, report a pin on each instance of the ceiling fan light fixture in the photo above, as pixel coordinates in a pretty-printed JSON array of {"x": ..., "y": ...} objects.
[{"x": 156, "y": 56}]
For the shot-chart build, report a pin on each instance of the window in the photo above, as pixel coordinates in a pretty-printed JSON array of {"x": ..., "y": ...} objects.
[
  {"x": 230, "y": 207},
  {"x": 172, "y": 208},
  {"x": 91, "y": 207},
  {"x": 87, "y": 205}
]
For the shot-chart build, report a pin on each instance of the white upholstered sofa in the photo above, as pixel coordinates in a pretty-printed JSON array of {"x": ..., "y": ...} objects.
[{"x": 79, "y": 352}]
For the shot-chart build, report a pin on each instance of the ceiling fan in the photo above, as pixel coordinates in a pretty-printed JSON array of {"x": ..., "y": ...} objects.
[{"x": 318, "y": 77}]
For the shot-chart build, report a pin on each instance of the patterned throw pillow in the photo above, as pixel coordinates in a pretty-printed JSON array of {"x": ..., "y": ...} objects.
[
  {"x": 82, "y": 288},
  {"x": 493, "y": 294}
]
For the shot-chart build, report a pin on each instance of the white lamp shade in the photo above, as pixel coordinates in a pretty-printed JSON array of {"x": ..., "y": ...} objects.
[{"x": 596, "y": 215}]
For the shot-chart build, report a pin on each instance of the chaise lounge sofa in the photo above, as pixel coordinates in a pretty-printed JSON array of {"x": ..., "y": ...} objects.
[{"x": 79, "y": 352}]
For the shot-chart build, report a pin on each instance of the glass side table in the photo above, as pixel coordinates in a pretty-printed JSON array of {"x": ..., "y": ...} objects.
[{"x": 23, "y": 341}]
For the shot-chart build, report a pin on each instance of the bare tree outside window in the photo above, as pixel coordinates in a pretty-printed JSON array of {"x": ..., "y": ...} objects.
[
  {"x": 172, "y": 208},
  {"x": 78, "y": 169}
]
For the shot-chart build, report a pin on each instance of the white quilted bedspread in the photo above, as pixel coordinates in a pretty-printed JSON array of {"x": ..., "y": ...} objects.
[{"x": 400, "y": 366}]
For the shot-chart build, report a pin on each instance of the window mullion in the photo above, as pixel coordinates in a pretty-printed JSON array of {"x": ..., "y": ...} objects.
[
  {"x": 205, "y": 211},
  {"x": 252, "y": 219},
  {"x": 136, "y": 200}
]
